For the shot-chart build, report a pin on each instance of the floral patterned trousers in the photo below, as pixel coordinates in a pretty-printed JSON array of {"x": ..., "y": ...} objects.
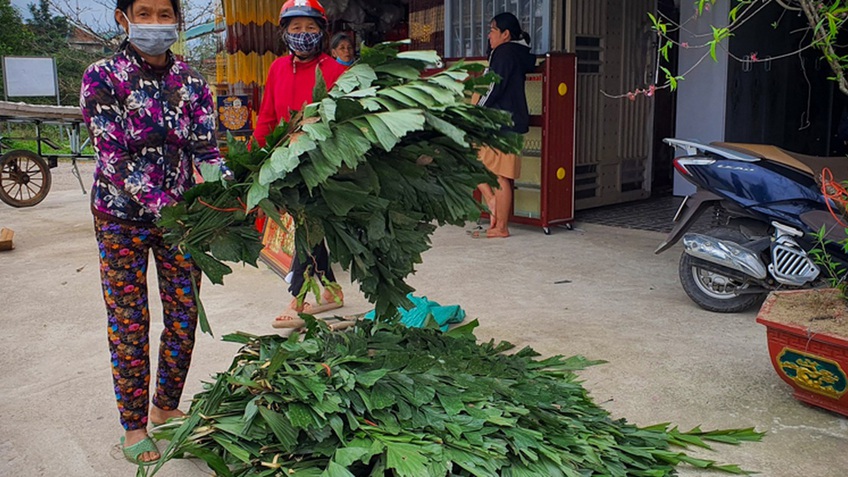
[{"x": 124, "y": 251}]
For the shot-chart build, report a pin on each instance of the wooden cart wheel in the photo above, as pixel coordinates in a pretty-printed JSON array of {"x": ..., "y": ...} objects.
[{"x": 24, "y": 178}]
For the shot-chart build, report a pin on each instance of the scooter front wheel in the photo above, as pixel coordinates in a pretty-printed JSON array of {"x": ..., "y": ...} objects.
[{"x": 713, "y": 291}]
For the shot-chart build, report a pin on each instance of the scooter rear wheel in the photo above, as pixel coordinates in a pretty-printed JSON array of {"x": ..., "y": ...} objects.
[{"x": 714, "y": 291}]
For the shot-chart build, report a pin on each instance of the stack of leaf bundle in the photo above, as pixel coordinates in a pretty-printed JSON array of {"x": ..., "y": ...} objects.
[
  {"x": 385, "y": 400},
  {"x": 372, "y": 166}
]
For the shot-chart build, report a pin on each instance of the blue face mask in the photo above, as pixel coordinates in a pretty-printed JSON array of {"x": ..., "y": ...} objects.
[
  {"x": 153, "y": 39},
  {"x": 346, "y": 63},
  {"x": 304, "y": 43}
]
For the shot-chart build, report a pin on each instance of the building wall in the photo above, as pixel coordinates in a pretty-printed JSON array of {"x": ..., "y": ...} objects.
[
  {"x": 701, "y": 105},
  {"x": 616, "y": 54},
  {"x": 788, "y": 102}
]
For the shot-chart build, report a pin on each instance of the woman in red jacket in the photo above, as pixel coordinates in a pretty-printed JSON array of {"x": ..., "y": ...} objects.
[{"x": 291, "y": 80}]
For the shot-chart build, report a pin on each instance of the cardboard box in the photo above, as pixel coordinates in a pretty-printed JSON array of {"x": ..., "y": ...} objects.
[{"x": 6, "y": 236}]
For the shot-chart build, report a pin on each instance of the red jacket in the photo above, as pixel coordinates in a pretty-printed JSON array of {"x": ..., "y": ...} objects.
[{"x": 289, "y": 87}]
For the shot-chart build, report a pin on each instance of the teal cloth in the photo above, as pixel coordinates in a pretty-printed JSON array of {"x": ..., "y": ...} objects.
[{"x": 416, "y": 316}]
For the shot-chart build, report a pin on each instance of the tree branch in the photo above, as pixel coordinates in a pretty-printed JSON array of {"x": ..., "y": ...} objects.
[{"x": 823, "y": 42}]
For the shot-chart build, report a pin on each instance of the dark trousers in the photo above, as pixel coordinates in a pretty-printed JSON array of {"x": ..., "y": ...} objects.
[{"x": 320, "y": 263}]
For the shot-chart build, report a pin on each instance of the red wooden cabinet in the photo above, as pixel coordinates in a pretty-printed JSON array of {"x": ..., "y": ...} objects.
[{"x": 544, "y": 193}]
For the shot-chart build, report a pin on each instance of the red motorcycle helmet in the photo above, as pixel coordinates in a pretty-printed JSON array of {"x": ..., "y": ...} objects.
[{"x": 303, "y": 8}]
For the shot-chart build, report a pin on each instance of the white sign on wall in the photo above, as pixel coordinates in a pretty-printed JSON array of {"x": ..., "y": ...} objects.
[{"x": 29, "y": 76}]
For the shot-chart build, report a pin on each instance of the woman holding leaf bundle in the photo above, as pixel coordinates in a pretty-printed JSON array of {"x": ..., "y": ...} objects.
[
  {"x": 511, "y": 60},
  {"x": 151, "y": 119},
  {"x": 291, "y": 81}
]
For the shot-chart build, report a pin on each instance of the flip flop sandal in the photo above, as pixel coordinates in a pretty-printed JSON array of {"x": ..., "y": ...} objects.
[
  {"x": 330, "y": 305},
  {"x": 295, "y": 321},
  {"x": 475, "y": 229},
  {"x": 341, "y": 325},
  {"x": 288, "y": 321},
  {"x": 133, "y": 452}
]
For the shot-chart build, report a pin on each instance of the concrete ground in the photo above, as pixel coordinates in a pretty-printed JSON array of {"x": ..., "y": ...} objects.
[{"x": 597, "y": 291}]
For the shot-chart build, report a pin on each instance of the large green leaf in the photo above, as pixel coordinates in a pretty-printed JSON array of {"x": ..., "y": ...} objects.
[
  {"x": 233, "y": 448},
  {"x": 226, "y": 247},
  {"x": 257, "y": 193},
  {"x": 328, "y": 110},
  {"x": 341, "y": 197},
  {"x": 213, "y": 268},
  {"x": 318, "y": 131},
  {"x": 281, "y": 427},
  {"x": 359, "y": 76},
  {"x": 336, "y": 470},
  {"x": 405, "y": 459},
  {"x": 454, "y": 133},
  {"x": 392, "y": 126},
  {"x": 210, "y": 172},
  {"x": 430, "y": 57},
  {"x": 401, "y": 70},
  {"x": 349, "y": 454},
  {"x": 384, "y": 135}
]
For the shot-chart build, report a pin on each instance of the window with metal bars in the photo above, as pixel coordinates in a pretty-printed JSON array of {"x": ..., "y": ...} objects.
[
  {"x": 589, "y": 51},
  {"x": 467, "y": 24}
]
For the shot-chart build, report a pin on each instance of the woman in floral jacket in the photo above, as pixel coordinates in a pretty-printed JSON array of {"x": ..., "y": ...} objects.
[{"x": 151, "y": 119}]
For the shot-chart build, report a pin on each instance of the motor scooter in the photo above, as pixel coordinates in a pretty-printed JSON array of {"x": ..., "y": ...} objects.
[{"x": 770, "y": 218}]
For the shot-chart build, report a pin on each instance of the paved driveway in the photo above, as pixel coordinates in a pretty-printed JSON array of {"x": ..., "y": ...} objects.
[{"x": 597, "y": 291}]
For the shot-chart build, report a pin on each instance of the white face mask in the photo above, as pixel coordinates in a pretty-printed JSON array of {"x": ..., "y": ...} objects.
[{"x": 153, "y": 39}]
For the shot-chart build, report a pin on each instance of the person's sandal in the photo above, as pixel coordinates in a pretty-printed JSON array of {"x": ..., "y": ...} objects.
[
  {"x": 288, "y": 321},
  {"x": 133, "y": 452}
]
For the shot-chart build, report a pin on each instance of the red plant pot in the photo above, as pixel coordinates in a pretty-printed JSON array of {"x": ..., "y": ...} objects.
[{"x": 812, "y": 363}]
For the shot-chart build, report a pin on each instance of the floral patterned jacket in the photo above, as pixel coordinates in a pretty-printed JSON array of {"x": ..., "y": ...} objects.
[{"x": 147, "y": 126}]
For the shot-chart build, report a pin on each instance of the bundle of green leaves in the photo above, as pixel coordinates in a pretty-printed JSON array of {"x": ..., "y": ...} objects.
[
  {"x": 384, "y": 400},
  {"x": 372, "y": 167}
]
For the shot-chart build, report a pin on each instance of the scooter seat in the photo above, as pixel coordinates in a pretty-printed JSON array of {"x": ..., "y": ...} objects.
[{"x": 812, "y": 165}]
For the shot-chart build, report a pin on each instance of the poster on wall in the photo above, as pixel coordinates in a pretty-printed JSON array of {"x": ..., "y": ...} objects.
[
  {"x": 234, "y": 115},
  {"x": 279, "y": 245}
]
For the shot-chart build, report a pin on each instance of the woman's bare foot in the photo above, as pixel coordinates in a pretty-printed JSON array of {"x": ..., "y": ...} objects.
[
  {"x": 492, "y": 217},
  {"x": 488, "y": 196},
  {"x": 332, "y": 294},
  {"x": 491, "y": 233},
  {"x": 287, "y": 319},
  {"x": 298, "y": 307},
  {"x": 158, "y": 416},
  {"x": 136, "y": 436}
]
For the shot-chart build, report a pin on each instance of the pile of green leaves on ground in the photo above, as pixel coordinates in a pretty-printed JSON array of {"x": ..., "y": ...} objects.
[
  {"x": 385, "y": 400},
  {"x": 372, "y": 167}
]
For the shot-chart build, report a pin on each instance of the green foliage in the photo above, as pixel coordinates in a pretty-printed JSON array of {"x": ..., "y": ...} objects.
[
  {"x": 670, "y": 78},
  {"x": 826, "y": 20},
  {"x": 719, "y": 35},
  {"x": 45, "y": 35},
  {"x": 835, "y": 270},
  {"x": 381, "y": 400},
  {"x": 372, "y": 167},
  {"x": 14, "y": 38},
  {"x": 702, "y": 4}
]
